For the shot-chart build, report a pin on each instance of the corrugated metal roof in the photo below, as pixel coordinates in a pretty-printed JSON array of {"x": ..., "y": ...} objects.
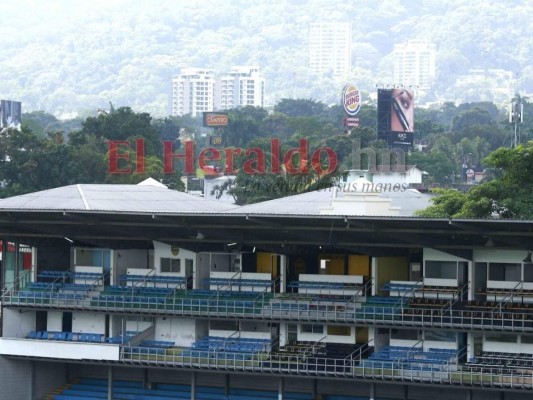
[
  {"x": 114, "y": 198},
  {"x": 314, "y": 203}
]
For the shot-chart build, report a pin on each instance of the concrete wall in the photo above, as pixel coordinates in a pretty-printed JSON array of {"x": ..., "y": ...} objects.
[
  {"x": 17, "y": 323},
  {"x": 54, "y": 321},
  {"x": 88, "y": 322},
  {"x": 181, "y": 331}
]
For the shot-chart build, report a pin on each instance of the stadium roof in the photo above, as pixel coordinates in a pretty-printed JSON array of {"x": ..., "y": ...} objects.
[
  {"x": 320, "y": 202},
  {"x": 114, "y": 198},
  {"x": 131, "y": 216}
]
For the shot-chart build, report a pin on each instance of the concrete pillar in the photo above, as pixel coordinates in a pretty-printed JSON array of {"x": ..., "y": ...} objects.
[
  {"x": 226, "y": 384},
  {"x": 146, "y": 379},
  {"x": 469, "y": 395},
  {"x": 405, "y": 392},
  {"x": 372, "y": 391},
  {"x": 32, "y": 381},
  {"x": 315, "y": 389},
  {"x": 281, "y": 384},
  {"x": 283, "y": 273},
  {"x": 110, "y": 383},
  {"x": 374, "y": 272},
  {"x": 193, "y": 386}
]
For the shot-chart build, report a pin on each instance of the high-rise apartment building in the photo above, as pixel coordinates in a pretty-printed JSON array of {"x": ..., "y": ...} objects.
[
  {"x": 242, "y": 86},
  {"x": 193, "y": 91},
  {"x": 198, "y": 90},
  {"x": 330, "y": 46},
  {"x": 414, "y": 63}
]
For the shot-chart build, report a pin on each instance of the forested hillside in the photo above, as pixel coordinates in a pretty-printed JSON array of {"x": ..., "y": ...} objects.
[{"x": 71, "y": 56}]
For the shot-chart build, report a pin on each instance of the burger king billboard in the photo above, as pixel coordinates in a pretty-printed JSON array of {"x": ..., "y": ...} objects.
[{"x": 351, "y": 99}]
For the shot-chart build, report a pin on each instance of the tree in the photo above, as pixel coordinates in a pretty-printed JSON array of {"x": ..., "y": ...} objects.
[
  {"x": 508, "y": 195},
  {"x": 254, "y": 188},
  {"x": 299, "y": 107}
]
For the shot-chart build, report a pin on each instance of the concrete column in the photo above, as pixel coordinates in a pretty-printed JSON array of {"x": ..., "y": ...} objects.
[
  {"x": 283, "y": 273},
  {"x": 372, "y": 391},
  {"x": 146, "y": 379},
  {"x": 405, "y": 392},
  {"x": 469, "y": 395},
  {"x": 226, "y": 384},
  {"x": 32, "y": 381},
  {"x": 110, "y": 383},
  {"x": 281, "y": 384},
  {"x": 374, "y": 272},
  {"x": 315, "y": 390},
  {"x": 193, "y": 386}
]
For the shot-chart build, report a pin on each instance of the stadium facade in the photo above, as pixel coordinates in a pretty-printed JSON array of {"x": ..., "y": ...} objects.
[{"x": 124, "y": 291}]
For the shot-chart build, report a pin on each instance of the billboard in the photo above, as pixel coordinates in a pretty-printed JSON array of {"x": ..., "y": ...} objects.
[
  {"x": 215, "y": 119},
  {"x": 10, "y": 114},
  {"x": 396, "y": 117}
]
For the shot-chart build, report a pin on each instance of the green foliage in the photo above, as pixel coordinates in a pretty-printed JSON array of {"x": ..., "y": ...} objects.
[
  {"x": 446, "y": 204},
  {"x": 299, "y": 107},
  {"x": 254, "y": 188},
  {"x": 506, "y": 196}
]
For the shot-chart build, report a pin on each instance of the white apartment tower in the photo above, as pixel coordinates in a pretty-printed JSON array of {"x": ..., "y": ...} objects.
[
  {"x": 414, "y": 63},
  {"x": 242, "y": 86},
  {"x": 193, "y": 91},
  {"x": 330, "y": 47}
]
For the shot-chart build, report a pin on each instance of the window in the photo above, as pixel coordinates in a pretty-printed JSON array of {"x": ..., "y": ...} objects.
[
  {"x": 509, "y": 272},
  {"x": 441, "y": 269},
  {"x": 307, "y": 328},
  {"x": 170, "y": 264},
  {"x": 441, "y": 336},
  {"x": 500, "y": 337},
  {"x": 339, "y": 330},
  {"x": 527, "y": 339},
  {"x": 528, "y": 272}
]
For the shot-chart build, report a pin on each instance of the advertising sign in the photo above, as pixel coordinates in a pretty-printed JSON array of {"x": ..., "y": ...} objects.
[
  {"x": 351, "y": 99},
  {"x": 215, "y": 119},
  {"x": 396, "y": 118},
  {"x": 350, "y": 122}
]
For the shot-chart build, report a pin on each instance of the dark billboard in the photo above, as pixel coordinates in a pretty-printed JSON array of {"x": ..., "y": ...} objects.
[
  {"x": 215, "y": 119},
  {"x": 10, "y": 114},
  {"x": 396, "y": 117}
]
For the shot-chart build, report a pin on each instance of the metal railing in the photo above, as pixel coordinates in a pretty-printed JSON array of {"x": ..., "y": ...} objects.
[
  {"x": 322, "y": 366},
  {"x": 317, "y": 311}
]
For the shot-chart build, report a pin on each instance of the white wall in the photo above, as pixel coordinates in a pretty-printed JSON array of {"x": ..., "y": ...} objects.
[
  {"x": 136, "y": 325},
  {"x": 17, "y": 323},
  {"x": 498, "y": 255},
  {"x": 501, "y": 347},
  {"x": 181, "y": 331},
  {"x": 88, "y": 323},
  {"x": 162, "y": 250},
  {"x": 435, "y": 255},
  {"x": 54, "y": 321},
  {"x": 64, "y": 350}
]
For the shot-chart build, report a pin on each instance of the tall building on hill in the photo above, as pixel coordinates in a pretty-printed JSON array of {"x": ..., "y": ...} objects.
[
  {"x": 414, "y": 63},
  {"x": 197, "y": 90},
  {"x": 242, "y": 86},
  {"x": 193, "y": 91},
  {"x": 330, "y": 46}
]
